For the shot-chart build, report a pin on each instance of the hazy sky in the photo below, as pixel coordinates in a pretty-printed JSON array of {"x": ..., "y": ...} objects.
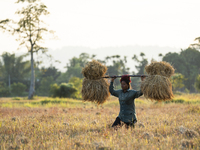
[{"x": 105, "y": 23}]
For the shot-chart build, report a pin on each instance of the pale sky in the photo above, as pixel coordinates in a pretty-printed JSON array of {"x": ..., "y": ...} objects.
[{"x": 107, "y": 23}]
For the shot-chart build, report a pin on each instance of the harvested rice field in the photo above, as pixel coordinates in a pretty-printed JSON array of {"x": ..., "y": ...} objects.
[{"x": 46, "y": 123}]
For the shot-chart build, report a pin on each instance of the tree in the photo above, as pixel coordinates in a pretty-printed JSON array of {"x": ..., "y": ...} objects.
[
  {"x": 50, "y": 71},
  {"x": 45, "y": 86},
  {"x": 4, "y": 90},
  {"x": 196, "y": 45},
  {"x": 177, "y": 61},
  {"x": 29, "y": 29},
  {"x": 63, "y": 90},
  {"x": 177, "y": 81},
  {"x": 74, "y": 67},
  {"x": 18, "y": 89},
  {"x": 14, "y": 69},
  {"x": 142, "y": 63},
  {"x": 186, "y": 63},
  {"x": 117, "y": 66}
]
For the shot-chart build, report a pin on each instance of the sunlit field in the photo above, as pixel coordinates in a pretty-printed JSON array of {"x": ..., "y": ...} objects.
[{"x": 47, "y": 123}]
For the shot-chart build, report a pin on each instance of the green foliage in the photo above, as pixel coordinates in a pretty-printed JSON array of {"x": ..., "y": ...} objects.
[
  {"x": 197, "y": 83},
  {"x": 44, "y": 78},
  {"x": 45, "y": 86},
  {"x": 62, "y": 78},
  {"x": 140, "y": 68},
  {"x": 67, "y": 89},
  {"x": 54, "y": 90},
  {"x": 177, "y": 81},
  {"x": 18, "y": 89},
  {"x": 30, "y": 29},
  {"x": 142, "y": 63},
  {"x": 16, "y": 98},
  {"x": 117, "y": 66},
  {"x": 4, "y": 90},
  {"x": 176, "y": 101},
  {"x": 63, "y": 90},
  {"x": 74, "y": 71},
  {"x": 160, "y": 55},
  {"x": 187, "y": 91},
  {"x": 186, "y": 63},
  {"x": 14, "y": 67},
  {"x": 74, "y": 67},
  {"x": 196, "y": 45},
  {"x": 77, "y": 82},
  {"x": 44, "y": 102},
  {"x": 50, "y": 71}
]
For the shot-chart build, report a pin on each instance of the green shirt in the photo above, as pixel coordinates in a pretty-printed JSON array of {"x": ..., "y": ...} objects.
[{"x": 127, "y": 103}]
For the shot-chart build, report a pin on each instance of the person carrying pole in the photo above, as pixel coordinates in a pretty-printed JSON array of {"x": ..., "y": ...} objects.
[{"x": 127, "y": 114}]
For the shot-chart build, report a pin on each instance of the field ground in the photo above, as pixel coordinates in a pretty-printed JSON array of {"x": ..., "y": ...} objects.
[{"x": 47, "y": 123}]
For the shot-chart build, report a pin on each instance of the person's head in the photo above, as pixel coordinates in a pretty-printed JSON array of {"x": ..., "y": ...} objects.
[{"x": 125, "y": 82}]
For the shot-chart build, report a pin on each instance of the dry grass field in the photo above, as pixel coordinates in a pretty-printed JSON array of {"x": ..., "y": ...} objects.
[{"x": 46, "y": 123}]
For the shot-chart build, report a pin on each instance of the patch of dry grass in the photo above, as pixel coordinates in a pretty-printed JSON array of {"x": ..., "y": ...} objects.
[{"x": 159, "y": 126}]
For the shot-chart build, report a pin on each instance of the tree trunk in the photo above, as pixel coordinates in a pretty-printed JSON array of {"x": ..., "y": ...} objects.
[{"x": 32, "y": 86}]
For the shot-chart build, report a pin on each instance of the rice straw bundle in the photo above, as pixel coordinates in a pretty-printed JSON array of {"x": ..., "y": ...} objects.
[
  {"x": 157, "y": 85},
  {"x": 95, "y": 88},
  {"x": 160, "y": 68},
  {"x": 94, "y": 70}
]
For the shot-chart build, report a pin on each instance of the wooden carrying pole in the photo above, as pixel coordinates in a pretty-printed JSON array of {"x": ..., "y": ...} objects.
[
  {"x": 156, "y": 86},
  {"x": 128, "y": 75}
]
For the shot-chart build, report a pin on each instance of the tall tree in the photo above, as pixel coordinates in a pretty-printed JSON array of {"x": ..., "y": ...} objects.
[
  {"x": 186, "y": 63},
  {"x": 50, "y": 71},
  {"x": 29, "y": 28},
  {"x": 14, "y": 68},
  {"x": 74, "y": 67},
  {"x": 196, "y": 45},
  {"x": 142, "y": 63},
  {"x": 117, "y": 66}
]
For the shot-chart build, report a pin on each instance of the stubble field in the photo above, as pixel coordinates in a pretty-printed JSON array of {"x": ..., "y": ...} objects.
[{"x": 46, "y": 123}]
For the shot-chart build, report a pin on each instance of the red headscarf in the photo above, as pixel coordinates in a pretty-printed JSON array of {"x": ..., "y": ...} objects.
[{"x": 126, "y": 78}]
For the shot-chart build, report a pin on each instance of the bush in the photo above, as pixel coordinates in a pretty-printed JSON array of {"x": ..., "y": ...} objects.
[
  {"x": 16, "y": 98},
  {"x": 54, "y": 90},
  {"x": 197, "y": 83},
  {"x": 17, "y": 89},
  {"x": 187, "y": 91},
  {"x": 4, "y": 90},
  {"x": 77, "y": 82},
  {"x": 65, "y": 90}
]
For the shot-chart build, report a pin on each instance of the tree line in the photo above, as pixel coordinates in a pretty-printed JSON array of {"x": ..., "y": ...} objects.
[{"x": 15, "y": 73}]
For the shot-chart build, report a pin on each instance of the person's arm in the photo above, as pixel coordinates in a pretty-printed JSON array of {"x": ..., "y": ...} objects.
[
  {"x": 111, "y": 88},
  {"x": 139, "y": 93}
]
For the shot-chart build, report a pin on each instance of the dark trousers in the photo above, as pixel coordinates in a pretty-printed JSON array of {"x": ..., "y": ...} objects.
[{"x": 119, "y": 123}]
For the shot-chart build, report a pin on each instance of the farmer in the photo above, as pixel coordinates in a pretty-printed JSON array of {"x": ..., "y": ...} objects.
[{"x": 126, "y": 97}]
